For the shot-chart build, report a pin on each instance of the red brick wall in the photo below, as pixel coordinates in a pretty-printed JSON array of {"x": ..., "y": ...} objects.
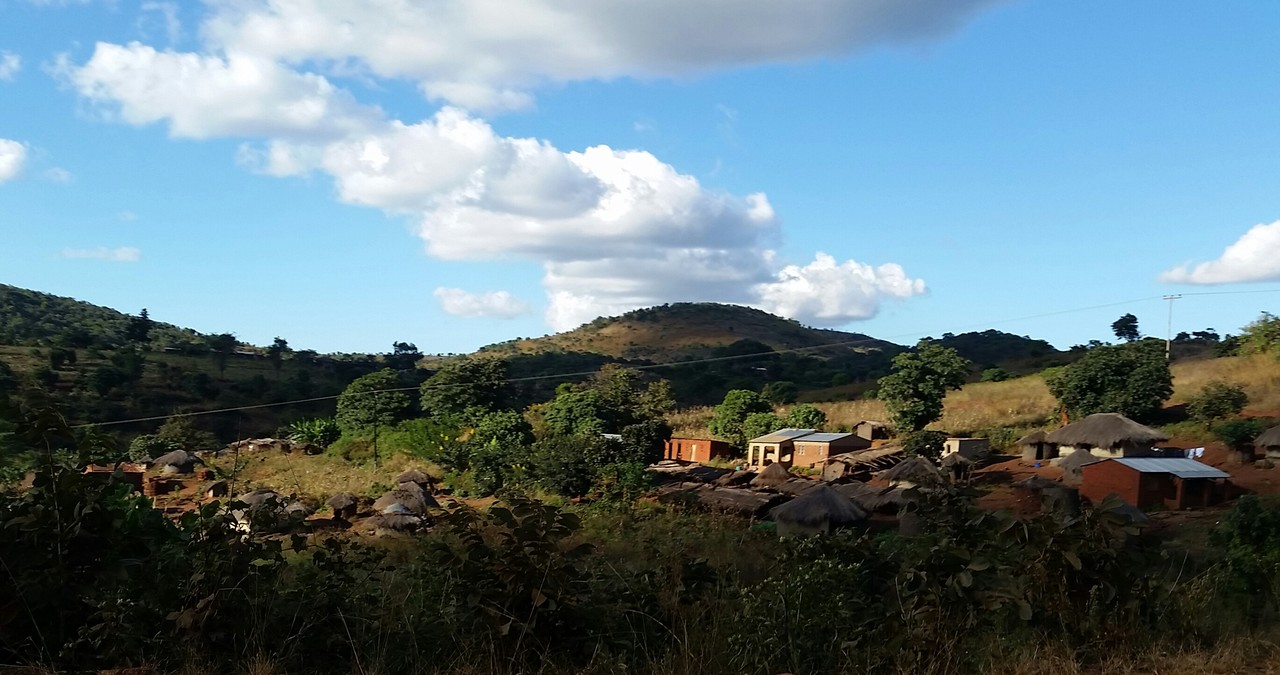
[
  {"x": 695, "y": 449},
  {"x": 1143, "y": 490}
]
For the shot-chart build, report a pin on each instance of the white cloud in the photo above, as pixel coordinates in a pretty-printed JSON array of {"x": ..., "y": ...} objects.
[
  {"x": 1255, "y": 256},
  {"x": 206, "y": 96},
  {"x": 12, "y": 156},
  {"x": 495, "y": 304},
  {"x": 167, "y": 17},
  {"x": 58, "y": 175},
  {"x": 123, "y": 254},
  {"x": 486, "y": 54},
  {"x": 10, "y": 64},
  {"x": 827, "y": 293}
]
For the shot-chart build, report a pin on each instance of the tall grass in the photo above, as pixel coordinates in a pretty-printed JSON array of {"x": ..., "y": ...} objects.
[{"x": 1259, "y": 374}]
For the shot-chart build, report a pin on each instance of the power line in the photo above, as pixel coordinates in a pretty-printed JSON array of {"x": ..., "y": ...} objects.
[{"x": 651, "y": 366}]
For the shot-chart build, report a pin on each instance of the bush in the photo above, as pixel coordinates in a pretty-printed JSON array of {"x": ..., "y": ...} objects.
[
  {"x": 995, "y": 375},
  {"x": 1238, "y": 434},
  {"x": 149, "y": 446},
  {"x": 927, "y": 444},
  {"x": 1217, "y": 400},
  {"x": 321, "y": 431}
]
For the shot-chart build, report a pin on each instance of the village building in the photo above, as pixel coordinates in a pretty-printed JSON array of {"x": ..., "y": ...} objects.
[
  {"x": 812, "y": 451},
  {"x": 871, "y": 430},
  {"x": 817, "y": 511},
  {"x": 969, "y": 448},
  {"x": 1037, "y": 448},
  {"x": 1108, "y": 435},
  {"x": 775, "y": 448},
  {"x": 861, "y": 464},
  {"x": 696, "y": 449},
  {"x": 914, "y": 472},
  {"x": 1268, "y": 443},
  {"x": 1170, "y": 482},
  {"x": 1072, "y": 466}
]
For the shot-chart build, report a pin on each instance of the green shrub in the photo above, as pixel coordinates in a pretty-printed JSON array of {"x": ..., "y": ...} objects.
[
  {"x": 1217, "y": 400},
  {"x": 1239, "y": 434}
]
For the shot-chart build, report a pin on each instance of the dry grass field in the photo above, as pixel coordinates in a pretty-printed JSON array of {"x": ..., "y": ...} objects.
[{"x": 1026, "y": 403}]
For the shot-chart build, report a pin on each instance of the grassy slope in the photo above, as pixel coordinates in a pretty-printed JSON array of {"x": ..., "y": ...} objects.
[{"x": 1025, "y": 402}]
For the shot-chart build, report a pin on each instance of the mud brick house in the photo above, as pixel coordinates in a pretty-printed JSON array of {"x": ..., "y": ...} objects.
[
  {"x": 695, "y": 449},
  {"x": 814, "y": 450},
  {"x": 1107, "y": 435},
  {"x": 1170, "y": 482},
  {"x": 776, "y": 447}
]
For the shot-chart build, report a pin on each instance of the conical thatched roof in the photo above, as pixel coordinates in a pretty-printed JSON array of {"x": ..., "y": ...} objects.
[
  {"x": 1076, "y": 460},
  {"x": 773, "y": 475},
  {"x": 413, "y": 476},
  {"x": 955, "y": 459},
  {"x": 1268, "y": 438},
  {"x": 342, "y": 500},
  {"x": 818, "y": 506},
  {"x": 1032, "y": 438},
  {"x": 1105, "y": 430},
  {"x": 916, "y": 470}
]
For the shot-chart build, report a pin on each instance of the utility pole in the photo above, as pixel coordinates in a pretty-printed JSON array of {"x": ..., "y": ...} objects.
[{"x": 1168, "y": 336}]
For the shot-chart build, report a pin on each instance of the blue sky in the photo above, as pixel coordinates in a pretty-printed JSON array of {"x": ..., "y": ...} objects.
[{"x": 346, "y": 174}]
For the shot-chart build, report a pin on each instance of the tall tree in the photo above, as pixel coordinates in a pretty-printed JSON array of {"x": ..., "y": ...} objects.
[
  {"x": 1126, "y": 328},
  {"x": 367, "y": 406},
  {"x": 403, "y": 356},
  {"x": 465, "y": 388},
  {"x": 138, "y": 330},
  {"x": 276, "y": 352},
  {"x": 1131, "y": 379},
  {"x": 805, "y": 416},
  {"x": 730, "y": 415},
  {"x": 221, "y": 347},
  {"x": 920, "y": 380}
]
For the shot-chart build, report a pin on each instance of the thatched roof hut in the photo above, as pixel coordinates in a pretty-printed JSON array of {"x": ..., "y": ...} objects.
[
  {"x": 344, "y": 505},
  {"x": 817, "y": 511},
  {"x": 414, "y": 476},
  {"x": 409, "y": 495},
  {"x": 1072, "y": 466},
  {"x": 871, "y": 498},
  {"x": 914, "y": 472},
  {"x": 773, "y": 475},
  {"x": 178, "y": 461},
  {"x": 1108, "y": 435},
  {"x": 1268, "y": 439},
  {"x": 1036, "y": 447}
]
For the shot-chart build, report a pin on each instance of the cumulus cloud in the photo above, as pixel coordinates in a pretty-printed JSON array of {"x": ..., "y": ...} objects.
[
  {"x": 203, "y": 96},
  {"x": 1255, "y": 256},
  {"x": 10, "y": 64},
  {"x": 494, "y": 304},
  {"x": 12, "y": 156},
  {"x": 487, "y": 54},
  {"x": 123, "y": 254},
  {"x": 614, "y": 229}
]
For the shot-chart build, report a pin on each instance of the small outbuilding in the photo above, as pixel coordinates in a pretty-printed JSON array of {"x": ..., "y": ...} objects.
[
  {"x": 772, "y": 476},
  {"x": 812, "y": 451},
  {"x": 217, "y": 490},
  {"x": 1108, "y": 435},
  {"x": 1171, "y": 482},
  {"x": 1072, "y": 466},
  {"x": 1037, "y": 448},
  {"x": 696, "y": 449},
  {"x": 817, "y": 511},
  {"x": 871, "y": 430},
  {"x": 1268, "y": 443},
  {"x": 969, "y": 448},
  {"x": 344, "y": 505}
]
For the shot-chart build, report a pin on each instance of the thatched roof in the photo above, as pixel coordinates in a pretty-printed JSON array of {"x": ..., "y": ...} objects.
[
  {"x": 180, "y": 460},
  {"x": 414, "y": 476},
  {"x": 1076, "y": 460},
  {"x": 409, "y": 495},
  {"x": 773, "y": 475},
  {"x": 1032, "y": 438},
  {"x": 1105, "y": 430},
  {"x": 342, "y": 500},
  {"x": 1268, "y": 438},
  {"x": 872, "y": 498},
  {"x": 955, "y": 459},
  {"x": 916, "y": 470},
  {"x": 818, "y": 506}
]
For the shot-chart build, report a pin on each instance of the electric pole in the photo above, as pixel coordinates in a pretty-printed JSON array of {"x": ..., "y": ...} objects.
[{"x": 1168, "y": 336}]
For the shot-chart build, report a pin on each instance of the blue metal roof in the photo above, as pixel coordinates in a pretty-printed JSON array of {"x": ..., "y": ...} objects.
[
  {"x": 1178, "y": 466},
  {"x": 823, "y": 438},
  {"x": 783, "y": 435}
]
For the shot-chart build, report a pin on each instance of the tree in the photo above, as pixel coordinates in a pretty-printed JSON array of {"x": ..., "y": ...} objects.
[
  {"x": 138, "y": 330},
  {"x": 403, "y": 356},
  {"x": 221, "y": 347},
  {"x": 1239, "y": 434},
  {"x": 727, "y": 420},
  {"x": 505, "y": 428},
  {"x": 780, "y": 393},
  {"x": 1126, "y": 328},
  {"x": 760, "y": 423},
  {"x": 643, "y": 442},
  {"x": 1217, "y": 400},
  {"x": 920, "y": 380},
  {"x": 1261, "y": 336},
  {"x": 366, "y": 405},
  {"x": 463, "y": 388},
  {"x": 1131, "y": 379},
  {"x": 995, "y": 374},
  {"x": 181, "y": 433},
  {"x": 576, "y": 413},
  {"x": 927, "y": 444},
  {"x": 805, "y": 416},
  {"x": 275, "y": 353}
]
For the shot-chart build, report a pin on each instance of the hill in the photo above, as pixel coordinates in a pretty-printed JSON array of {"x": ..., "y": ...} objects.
[
  {"x": 33, "y": 318},
  {"x": 687, "y": 330}
]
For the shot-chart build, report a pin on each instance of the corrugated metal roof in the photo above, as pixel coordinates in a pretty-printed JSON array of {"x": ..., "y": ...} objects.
[
  {"x": 782, "y": 435},
  {"x": 823, "y": 438},
  {"x": 1178, "y": 466}
]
